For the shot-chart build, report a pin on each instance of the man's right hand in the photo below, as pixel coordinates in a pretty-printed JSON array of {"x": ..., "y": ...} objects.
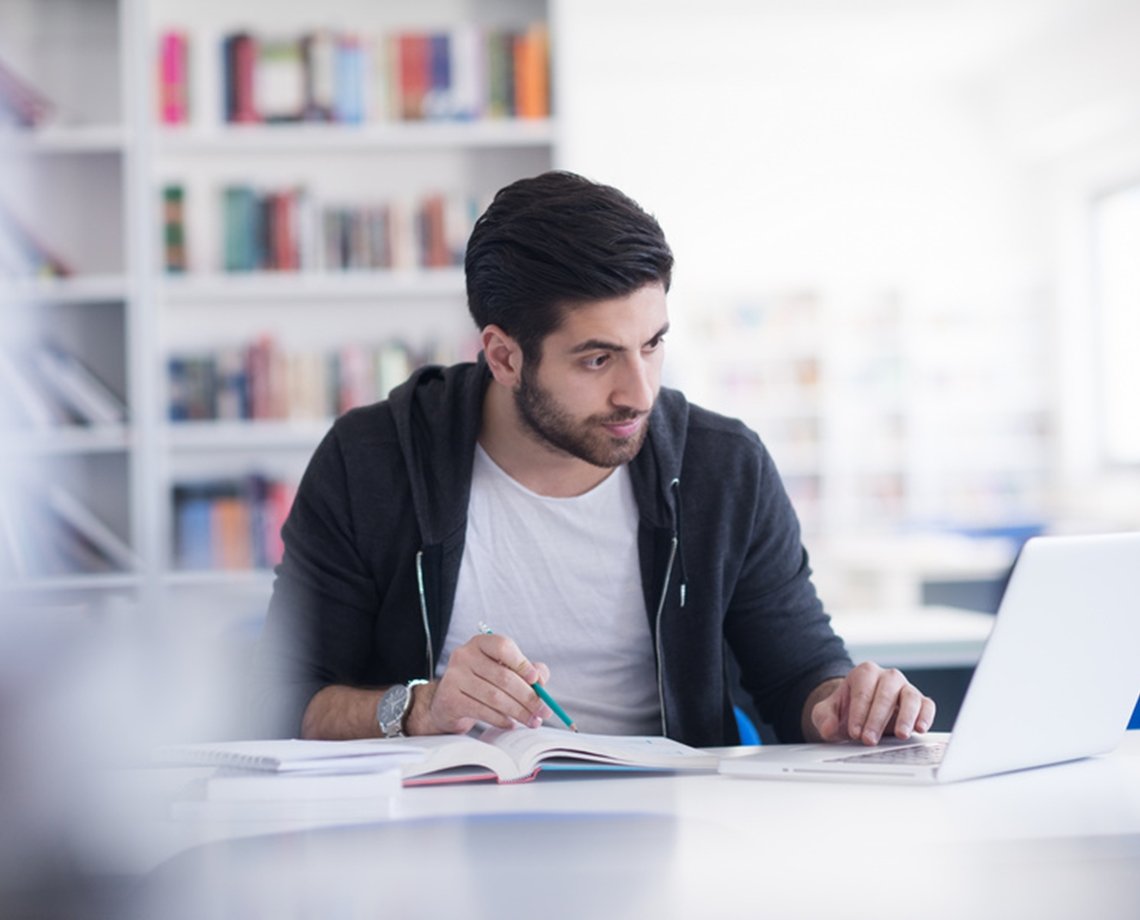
[{"x": 488, "y": 679}]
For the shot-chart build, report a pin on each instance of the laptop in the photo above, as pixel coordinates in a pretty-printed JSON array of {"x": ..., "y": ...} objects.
[{"x": 1057, "y": 679}]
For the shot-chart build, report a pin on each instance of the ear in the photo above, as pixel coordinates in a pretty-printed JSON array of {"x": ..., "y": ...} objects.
[{"x": 504, "y": 356}]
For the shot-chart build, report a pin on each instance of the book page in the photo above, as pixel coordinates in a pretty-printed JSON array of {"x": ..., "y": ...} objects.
[
  {"x": 445, "y": 752},
  {"x": 529, "y": 747}
]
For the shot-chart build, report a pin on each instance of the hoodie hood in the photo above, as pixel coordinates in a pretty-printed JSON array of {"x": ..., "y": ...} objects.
[{"x": 437, "y": 412}]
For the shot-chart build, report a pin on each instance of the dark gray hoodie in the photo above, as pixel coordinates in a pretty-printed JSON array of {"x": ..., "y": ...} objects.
[{"x": 373, "y": 546}]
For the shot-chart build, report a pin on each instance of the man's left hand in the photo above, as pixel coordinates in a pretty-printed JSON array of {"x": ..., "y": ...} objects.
[{"x": 867, "y": 704}]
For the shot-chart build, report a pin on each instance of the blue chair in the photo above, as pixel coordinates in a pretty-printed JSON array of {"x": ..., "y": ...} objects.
[
  {"x": 1134, "y": 722},
  {"x": 748, "y": 732}
]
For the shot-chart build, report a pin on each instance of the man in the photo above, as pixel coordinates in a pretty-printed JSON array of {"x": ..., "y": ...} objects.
[{"x": 618, "y": 535}]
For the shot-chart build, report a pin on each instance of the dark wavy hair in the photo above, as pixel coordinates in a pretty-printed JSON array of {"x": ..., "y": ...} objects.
[{"x": 554, "y": 241}]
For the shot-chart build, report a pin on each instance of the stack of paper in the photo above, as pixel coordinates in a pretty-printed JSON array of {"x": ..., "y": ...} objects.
[{"x": 291, "y": 780}]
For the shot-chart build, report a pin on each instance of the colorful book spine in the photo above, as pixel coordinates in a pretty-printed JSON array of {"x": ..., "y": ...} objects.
[
  {"x": 349, "y": 103},
  {"x": 230, "y": 524},
  {"x": 261, "y": 381},
  {"x": 174, "y": 228},
  {"x": 174, "y": 77},
  {"x": 532, "y": 73},
  {"x": 286, "y": 230},
  {"x": 415, "y": 76},
  {"x": 464, "y": 73},
  {"x": 239, "y": 63},
  {"x": 318, "y": 56}
]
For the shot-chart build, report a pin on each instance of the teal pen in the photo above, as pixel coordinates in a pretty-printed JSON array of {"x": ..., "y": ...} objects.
[{"x": 540, "y": 690}]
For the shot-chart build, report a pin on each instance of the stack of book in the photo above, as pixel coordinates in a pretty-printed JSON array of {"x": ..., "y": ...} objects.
[
  {"x": 261, "y": 381},
  {"x": 231, "y": 524},
  {"x": 290, "y": 779},
  {"x": 464, "y": 73},
  {"x": 287, "y": 230}
]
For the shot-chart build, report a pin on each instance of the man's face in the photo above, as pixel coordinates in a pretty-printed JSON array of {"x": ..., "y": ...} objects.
[{"x": 591, "y": 394}]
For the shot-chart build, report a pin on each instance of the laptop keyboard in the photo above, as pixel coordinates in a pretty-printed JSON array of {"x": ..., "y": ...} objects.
[{"x": 928, "y": 753}]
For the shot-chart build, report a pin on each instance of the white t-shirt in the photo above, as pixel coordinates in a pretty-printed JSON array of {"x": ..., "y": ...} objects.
[{"x": 561, "y": 577}]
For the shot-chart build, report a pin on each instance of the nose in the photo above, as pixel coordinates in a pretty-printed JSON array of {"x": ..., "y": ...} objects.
[{"x": 637, "y": 387}]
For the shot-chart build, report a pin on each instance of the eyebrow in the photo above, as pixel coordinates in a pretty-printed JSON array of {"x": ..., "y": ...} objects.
[{"x": 602, "y": 345}]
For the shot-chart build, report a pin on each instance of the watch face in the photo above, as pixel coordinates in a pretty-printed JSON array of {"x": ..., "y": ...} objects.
[{"x": 392, "y": 707}]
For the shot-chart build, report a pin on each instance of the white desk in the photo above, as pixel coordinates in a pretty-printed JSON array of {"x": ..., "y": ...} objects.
[{"x": 1060, "y": 842}]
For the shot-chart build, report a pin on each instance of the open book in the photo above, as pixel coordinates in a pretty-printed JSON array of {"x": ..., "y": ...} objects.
[{"x": 517, "y": 755}]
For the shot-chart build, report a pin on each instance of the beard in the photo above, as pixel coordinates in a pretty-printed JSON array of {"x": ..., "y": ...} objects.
[{"x": 585, "y": 439}]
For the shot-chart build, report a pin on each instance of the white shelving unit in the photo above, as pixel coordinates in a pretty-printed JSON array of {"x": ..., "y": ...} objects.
[
  {"x": 70, "y": 184},
  {"x": 93, "y": 180}
]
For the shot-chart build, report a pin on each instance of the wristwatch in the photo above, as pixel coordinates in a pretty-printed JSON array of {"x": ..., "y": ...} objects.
[{"x": 393, "y": 708}]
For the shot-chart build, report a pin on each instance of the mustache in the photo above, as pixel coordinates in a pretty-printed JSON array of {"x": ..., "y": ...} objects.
[{"x": 626, "y": 415}]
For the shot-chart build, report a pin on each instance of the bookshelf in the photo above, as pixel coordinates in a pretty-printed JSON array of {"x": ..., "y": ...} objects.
[
  {"x": 73, "y": 521},
  {"x": 92, "y": 180},
  {"x": 323, "y": 322}
]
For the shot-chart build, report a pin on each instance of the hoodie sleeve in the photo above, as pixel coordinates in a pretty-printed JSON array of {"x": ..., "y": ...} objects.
[{"x": 776, "y": 624}]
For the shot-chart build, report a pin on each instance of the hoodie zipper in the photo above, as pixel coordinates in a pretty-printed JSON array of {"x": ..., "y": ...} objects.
[
  {"x": 424, "y": 614},
  {"x": 657, "y": 630},
  {"x": 674, "y": 549}
]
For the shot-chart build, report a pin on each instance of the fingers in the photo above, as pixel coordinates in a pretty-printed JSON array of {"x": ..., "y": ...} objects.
[
  {"x": 830, "y": 714},
  {"x": 883, "y": 701},
  {"x": 488, "y": 679}
]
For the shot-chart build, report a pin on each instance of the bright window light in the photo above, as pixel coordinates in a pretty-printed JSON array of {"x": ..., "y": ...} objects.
[{"x": 1116, "y": 221}]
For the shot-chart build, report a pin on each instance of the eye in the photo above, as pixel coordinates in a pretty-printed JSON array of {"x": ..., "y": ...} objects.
[
  {"x": 598, "y": 361},
  {"x": 656, "y": 342}
]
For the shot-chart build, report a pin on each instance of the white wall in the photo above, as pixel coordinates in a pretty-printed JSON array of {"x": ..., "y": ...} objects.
[
  {"x": 813, "y": 145},
  {"x": 934, "y": 146}
]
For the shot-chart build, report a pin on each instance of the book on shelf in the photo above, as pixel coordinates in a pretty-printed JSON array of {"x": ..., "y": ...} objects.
[
  {"x": 500, "y": 64},
  {"x": 532, "y": 73},
  {"x": 239, "y": 62},
  {"x": 349, "y": 105},
  {"x": 174, "y": 77},
  {"x": 23, "y": 403},
  {"x": 77, "y": 386},
  {"x": 319, "y": 75},
  {"x": 279, "y": 79},
  {"x": 174, "y": 228},
  {"x": 193, "y": 540},
  {"x": 261, "y": 381},
  {"x": 463, "y": 73},
  {"x": 46, "y": 531},
  {"x": 74, "y": 514},
  {"x": 232, "y": 535},
  {"x": 287, "y": 229},
  {"x": 21, "y": 104},
  {"x": 230, "y": 524},
  {"x": 520, "y": 754},
  {"x": 24, "y": 255}
]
